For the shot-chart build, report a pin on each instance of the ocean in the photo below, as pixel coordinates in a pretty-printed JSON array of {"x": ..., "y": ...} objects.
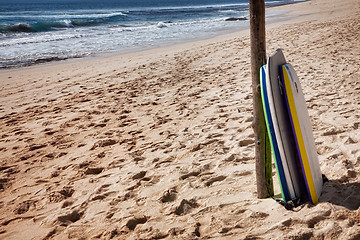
[{"x": 38, "y": 31}]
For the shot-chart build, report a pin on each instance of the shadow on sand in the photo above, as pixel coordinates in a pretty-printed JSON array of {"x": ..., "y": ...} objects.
[{"x": 343, "y": 194}]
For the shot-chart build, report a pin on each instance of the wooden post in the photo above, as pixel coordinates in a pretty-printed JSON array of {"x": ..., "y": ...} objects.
[{"x": 258, "y": 59}]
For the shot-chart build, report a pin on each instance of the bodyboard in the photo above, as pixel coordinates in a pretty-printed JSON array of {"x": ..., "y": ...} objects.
[
  {"x": 281, "y": 133},
  {"x": 302, "y": 130},
  {"x": 274, "y": 146}
]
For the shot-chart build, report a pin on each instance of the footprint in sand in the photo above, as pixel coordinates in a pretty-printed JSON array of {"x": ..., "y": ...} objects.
[
  {"x": 104, "y": 143},
  {"x": 332, "y": 131},
  {"x": 190, "y": 174},
  {"x": 103, "y": 196},
  {"x": 70, "y": 217},
  {"x": 132, "y": 188},
  {"x": 117, "y": 163},
  {"x": 3, "y": 183},
  {"x": 6, "y": 177},
  {"x": 49, "y": 131},
  {"x": 167, "y": 160},
  {"x": 139, "y": 175},
  {"x": 214, "y": 179},
  {"x": 169, "y": 195},
  {"x": 93, "y": 170},
  {"x": 34, "y": 147},
  {"x": 67, "y": 191},
  {"x": 61, "y": 195},
  {"x": 313, "y": 218},
  {"x": 25, "y": 206},
  {"x": 185, "y": 207},
  {"x": 133, "y": 222},
  {"x": 246, "y": 142}
]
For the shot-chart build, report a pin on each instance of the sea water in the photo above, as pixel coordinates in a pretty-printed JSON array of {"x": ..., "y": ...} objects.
[{"x": 46, "y": 30}]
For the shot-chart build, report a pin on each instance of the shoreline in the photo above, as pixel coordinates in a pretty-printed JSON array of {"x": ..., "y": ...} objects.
[
  {"x": 159, "y": 144},
  {"x": 282, "y": 16}
]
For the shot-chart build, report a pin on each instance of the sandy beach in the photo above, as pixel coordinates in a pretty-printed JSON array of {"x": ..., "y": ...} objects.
[{"x": 158, "y": 144}]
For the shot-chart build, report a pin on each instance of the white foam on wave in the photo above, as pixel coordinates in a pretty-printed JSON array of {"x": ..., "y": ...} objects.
[
  {"x": 161, "y": 25},
  {"x": 95, "y": 15},
  {"x": 68, "y": 23},
  {"x": 85, "y": 41},
  {"x": 187, "y": 7},
  {"x": 79, "y": 14}
]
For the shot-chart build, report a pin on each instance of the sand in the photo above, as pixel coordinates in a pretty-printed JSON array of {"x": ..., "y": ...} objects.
[{"x": 158, "y": 144}]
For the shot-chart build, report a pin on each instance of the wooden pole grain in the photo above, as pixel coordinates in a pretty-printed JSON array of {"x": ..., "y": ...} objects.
[{"x": 258, "y": 59}]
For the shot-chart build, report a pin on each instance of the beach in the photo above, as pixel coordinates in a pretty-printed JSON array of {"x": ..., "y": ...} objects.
[{"x": 158, "y": 144}]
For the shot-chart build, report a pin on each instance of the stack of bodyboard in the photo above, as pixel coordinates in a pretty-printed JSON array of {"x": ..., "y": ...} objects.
[{"x": 290, "y": 131}]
